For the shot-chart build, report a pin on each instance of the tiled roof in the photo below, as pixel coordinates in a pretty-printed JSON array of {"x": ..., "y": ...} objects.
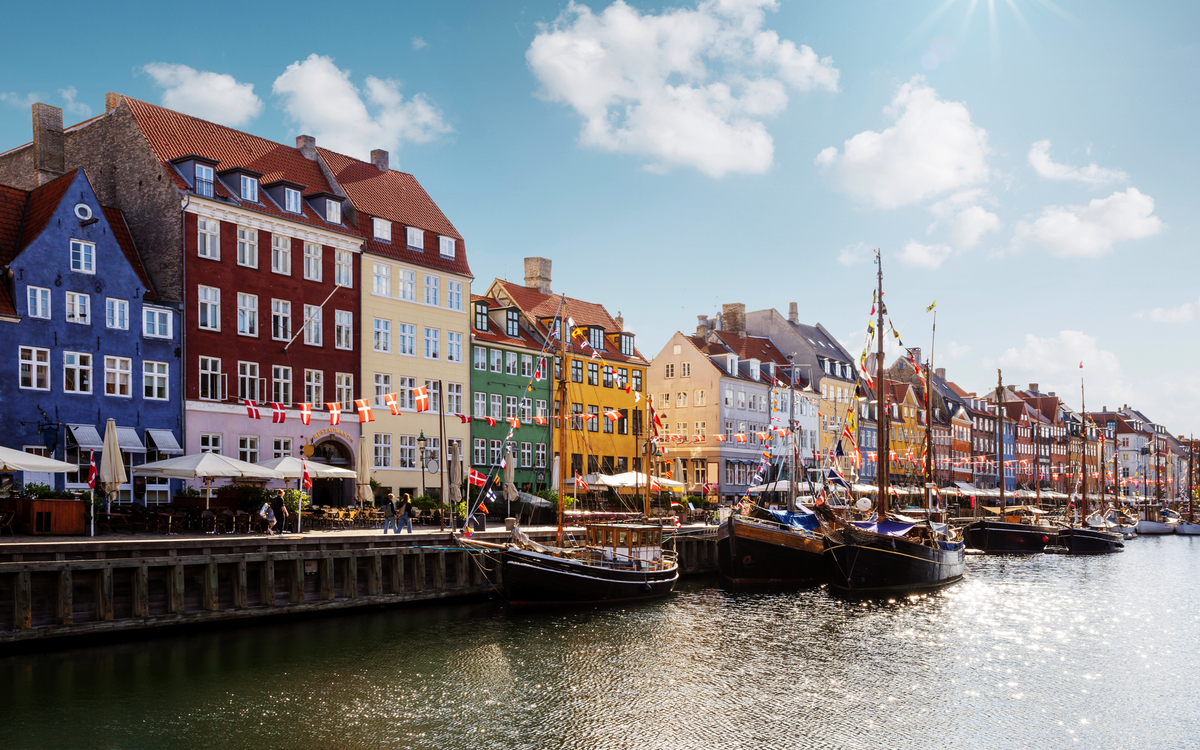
[
  {"x": 749, "y": 347},
  {"x": 120, "y": 229},
  {"x": 43, "y": 201},
  {"x": 12, "y": 210},
  {"x": 537, "y": 306},
  {"x": 496, "y": 334}
]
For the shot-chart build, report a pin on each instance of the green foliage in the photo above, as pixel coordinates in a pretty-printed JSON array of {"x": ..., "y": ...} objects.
[
  {"x": 424, "y": 502},
  {"x": 291, "y": 500},
  {"x": 188, "y": 491},
  {"x": 697, "y": 502},
  {"x": 253, "y": 496},
  {"x": 46, "y": 492}
]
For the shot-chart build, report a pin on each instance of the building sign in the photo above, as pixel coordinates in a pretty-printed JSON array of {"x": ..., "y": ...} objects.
[{"x": 331, "y": 431}]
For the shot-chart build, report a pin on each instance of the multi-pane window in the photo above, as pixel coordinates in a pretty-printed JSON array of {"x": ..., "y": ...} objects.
[
  {"x": 39, "y": 302},
  {"x": 312, "y": 261},
  {"x": 526, "y": 455},
  {"x": 454, "y": 295},
  {"x": 608, "y": 423},
  {"x": 479, "y": 452},
  {"x": 281, "y": 319},
  {"x": 496, "y": 446},
  {"x": 333, "y": 212},
  {"x": 480, "y": 404},
  {"x": 497, "y": 405},
  {"x": 156, "y": 323},
  {"x": 345, "y": 390},
  {"x": 681, "y": 400},
  {"x": 432, "y": 340},
  {"x": 248, "y": 448},
  {"x": 593, "y": 373},
  {"x": 697, "y": 398},
  {"x": 35, "y": 368},
  {"x": 454, "y": 346},
  {"x": 281, "y": 384},
  {"x": 406, "y": 339},
  {"x": 83, "y": 256},
  {"x": 210, "y": 442},
  {"x": 313, "y": 325},
  {"x": 527, "y": 365},
  {"x": 699, "y": 429},
  {"x": 510, "y": 407},
  {"x": 576, "y": 421},
  {"x": 250, "y": 188},
  {"x": 432, "y": 290},
  {"x": 247, "y": 247},
  {"x": 481, "y": 358},
  {"x": 510, "y": 363},
  {"x": 343, "y": 268},
  {"x": 77, "y": 372},
  {"x": 576, "y": 371},
  {"x": 291, "y": 200},
  {"x": 541, "y": 408},
  {"x": 248, "y": 380},
  {"x": 209, "y": 298},
  {"x": 594, "y": 421},
  {"x": 281, "y": 447},
  {"x": 526, "y": 410},
  {"x": 204, "y": 180},
  {"x": 381, "y": 229},
  {"x": 408, "y": 451},
  {"x": 607, "y": 378},
  {"x": 382, "y": 333},
  {"x": 208, "y": 238},
  {"x": 637, "y": 380},
  {"x": 434, "y": 388},
  {"x": 512, "y": 323},
  {"x": 497, "y": 360},
  {"x": 383, "y": 386},
  {"x": 79, "y": 308},
  {"x": 383, "y": 450},
  {"x": 247, "y": 314},
  {"x": 118, "y": 376},
  {"x": 669, "y": 370},
  {"x": 155, "y": 383},
  {"x": 210, "y": 379},
  {"x": 381, "y": 279},
  {"x": 446, "y": 246},
  {"x": 404, "y": 393},
  {"x": 407, "y": 285},
  {"x": 416, "y": 238},
  {"x": 343, "y": 329},
  {"x": 540, "y": 456},
  {"x": 454, "y": 398},
  {"x": 596, "y": 338},
  {"x": 314, "y": 387},
  {"x": 481, "y": 316},
  {"x": 281, "y": 254},
  {"x": 623, "y": 422},
  {"x": 116, "y": 313}
]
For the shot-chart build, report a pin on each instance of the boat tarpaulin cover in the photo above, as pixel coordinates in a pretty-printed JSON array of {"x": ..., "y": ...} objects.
[
  {"x": 891, "y": 528},
  {"x": 798, "y": 520}
]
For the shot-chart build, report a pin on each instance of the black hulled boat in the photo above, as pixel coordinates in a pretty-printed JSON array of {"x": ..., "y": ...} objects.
[
  {"x": 1080, "y": 540},
  {"x": 1024, "y": 534},
  {"x": 773, "y": 548}
]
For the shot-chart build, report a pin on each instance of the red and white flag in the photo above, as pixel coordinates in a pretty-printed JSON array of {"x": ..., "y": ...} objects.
[
  {"x": 741, "y": 438},
  {"x": 278, "y": 413},
  {"x": 335, "y": 412},
  {"x": 92, "y": 473},
  {"x": 421, "y": 396},
  {"x": 364, "y": 411},
  {"x": 305, "y": 479},
  {"x": 476, "y": 479},
  {"x": 514, "y": 423},
  {"x": 720, "y": 438},
  {"x": 251, "y": 408},
  {"x": 654, "y": 485},
  {"x": 613, "y": 414},
  {"x": 580, "y": 482},
  {"x": 463, "y": 418},
  {"x": 306, "y": 413},
  {"x": 389, "y": 401}
]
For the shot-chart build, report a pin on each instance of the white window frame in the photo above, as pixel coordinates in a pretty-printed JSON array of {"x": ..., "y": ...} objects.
[
  {"x": 281, "y": 384},
  {"x": 406, "y": 285},
  {"x": 381, "y": 279},
  {"x": 208, "y": 307},
  {"x": 433, "y": 341},
  {"x": 406, "y": 339},
  {"x": 344, "y": 393},
  {"x": 158, "y": 314},
  {"x": 446, "y": 246},
  {"x": 247, "y": 247},
  {"x": 248, "y": 381},
  {"x": 343, "y": 329},
  {"x": 79, "y": 308},
  {"x": 454, "y": 295},
  {"x": 83, "y": 256},
  {"x": 314, "y": 258},
  {"x": 433, "y": 290},
  {"x": 249, "y": 188},
  {"x": 156, "y": 376},
  {"x": 37, "y": 360},
  {"x": 382, "y": 450},
  {"x": 415, "y": 238},
  {"x": 343, "y": 268},
  {"x": 281, "y": 254},
  {"x": 382, "y": 335},
  {"x": 281, "y": 309},
  {"x": 78, "y": 368},
  {"x": 291, "y": 200},
  {"x": 116, "y": 370},
  {"x": 383, "y": 386},
  {"x": 281, "y": 447},
  {"x": 333, "y": 211},
  {"x": 248, "y": 448},
  {"x": 381, "y": 229},
  {"x": 481, "y": 361},
  {"x": 314, "y": 387},
  {"x": 314, "y": 325},
  {"x": 208, "y": 238},
  {"x": 210, "y": 442},
  {"x": 38, "y": 302},
  {"x": 454, "y": 345},
  {"x": 454, "y": 398},
  {"x": 210, "y": 372},
  {"x": 119, "y": 308},
  {"x": 247, "y": 314}
]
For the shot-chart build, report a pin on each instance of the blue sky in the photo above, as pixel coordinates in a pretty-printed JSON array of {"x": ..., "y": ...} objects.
[{"x": 670, "y": 158}]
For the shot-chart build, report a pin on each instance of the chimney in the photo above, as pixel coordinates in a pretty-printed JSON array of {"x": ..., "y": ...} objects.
[
  {"x": 703, "y": 325},
  {"x": 111, "y": 100},
  {"x": 1051, "y": 394},
  {"x": 1103, "y": 409},
  {"x": 619, "y": 321},
  {"x": 48, "y": 157},
  {"x": 916, "y": 355},
  {"x": 537, "y": 274},
  {"x": 793, "y": 313},
  {"x": 716, "y": 321},
  {"x": 940, "y": 372},
  {"x": 308, "y": 146},
  {"x": 733, "y": 316},
  {"x": 1033, "y": 387},
  {"x": 379, "y": 158}
]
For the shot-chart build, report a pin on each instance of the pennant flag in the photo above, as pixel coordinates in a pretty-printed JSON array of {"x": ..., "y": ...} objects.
[
  {"x": 364, "y": 411},
  {"x": 251, "y": 408},
  {"x": 613, "y": 414},
  {"x": 483, "y": 508},
  {"x": 306, "y": 479},
  {"x": 580, "y": 482},
  {"x": 389, "y": 401},
  {"x": 699, "y": 438},
  {"x": 514, "y": 423},
  {"x": 306, "y": 413},
  {"x": 476, "y": 479},
  {"x": 762, "y": 436},
  {"x": 491, "y": 421},
  {"x": 654, "y": 485},
  {"x": 92, "y": 472},
  {"x": 421, "y": 395},
  {"x": 663, "y": 448},
  {"x": 836, "y": 478},
  {"x": 720, "y": 438},
  {"x": 931, "y": 307},
  {"x": 335, "y": 413},
  {"x": 838, "y": 451},
  {"x": 539, "y": 420},
  {"x": 278, "y": 414},
  {"x": 740, "y": 437},
  {"x": 463, "y": 418}
]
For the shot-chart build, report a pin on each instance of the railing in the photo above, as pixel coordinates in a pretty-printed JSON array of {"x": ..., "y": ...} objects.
[{"x": 204, "y": 187}]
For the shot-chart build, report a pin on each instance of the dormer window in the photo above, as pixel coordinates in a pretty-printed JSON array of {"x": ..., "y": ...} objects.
[
  {"x": 627, "y": 344},
  {"x": 481, "y": 316},
  {"x": 204, "y": 180},
  {"x": 416, "y": 239},
  {"x": 753, "y": 370},
  {"x": 291, "y": 200},
  {"x": 333, "y": 212},
  {"x": 381, "y": 229},
  {"x": 249, "y": 188},
  {"x": 512, "y": 325},
  {"x": 731, "y": 364},
  {"x": 596, "y": 338},
  {"x": 446, "y": 246}
]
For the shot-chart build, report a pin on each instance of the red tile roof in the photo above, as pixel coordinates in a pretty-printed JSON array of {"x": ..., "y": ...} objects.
[
  {"x": 496, "y": 334},
  {"x": 43, "y": 201},
  {"x": 12, "y": 210},
  {"x": 746, "y": 347},
  {"x": 537, "y": 305}
]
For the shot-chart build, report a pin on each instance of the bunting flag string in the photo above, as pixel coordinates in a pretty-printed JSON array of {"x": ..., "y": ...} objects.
[
  {"x": 390, "y": 401},
  {"x": 306, "y": 413},
  {"x": 278, "y": 414},
  {"x": 251, "y": 408},
  {"x": 364, "y": 411},
  {"x": 335, "y": 413}
]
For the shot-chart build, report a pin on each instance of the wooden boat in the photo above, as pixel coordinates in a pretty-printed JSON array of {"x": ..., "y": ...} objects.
[
  {"x": 1020, "y": 531},
  {"x": 1154, "y": 523},
  {"x": 1080, "y": 540},
  {"x": 770, "y": 548}
]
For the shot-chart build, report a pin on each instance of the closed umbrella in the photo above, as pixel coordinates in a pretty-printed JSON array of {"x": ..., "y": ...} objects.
[
  {"x": 363, "y": 492},
  {"x": 510, "y": 476},
  {"x": 205, "y": 467},
  {"x": 554, "y": 475},
  {"x": 455, "y": 489},
  {"x": 112, "y": 468}
]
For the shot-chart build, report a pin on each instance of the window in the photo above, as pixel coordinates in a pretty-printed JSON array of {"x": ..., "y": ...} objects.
[
  {"x": 741, "y": 399},
  {"x": 381, "y": 229},
  {"x": 497, "y": 402},
  {"x": 333, "y": 211},
  {"x": 248, "y": 380},
  {"x": 697, "y": 398},
  {"x": 497, "y": 360},
  {"x": 510, "y": 363},
  {"x": 416, "y": 238},
  {"x": 35, "y": 368},
  {"x": 576, "y": 371},
  {"x": 479, "y": 452},
  {"x": 454, "y": 295},
  {"x": 247, "y": 247},
  {"x": 527, "y": 365},
  {"x": 204, "y": 180},
  {"x": 454, "y": 346},
  {"x": 540, "y": 455},
  {"x": 248, "y": 448},
  {"x": 208, "y": 238},
  {"x": 408, "y": 452},
  {"x": 281, "y": 384},
  {"x": 118, "y": 377},
  {"x": 512, "y": 323},
  {"x": 383, "y": 450},
  {"x": 79, "y": 308},
  {"x": 526, "y": 410},
  {"x": 608, "y": 423},
  {"x": 480, "y": 408},
  {"x": 116, "y": 313},
  {"x": 627, "y": 344},
  {"x": 596, "y": 338},
  {"x": 77, "y": 372},
  {"x": 435, "y": 395},
  {"x": 291, "y": 200},
  {"x": 526, "y": 455},
  {"x": 313, "y": 325},
  {"x": 281, "y": 448},
  {"x": 408, "y": 285},
  {"x": 432, "y": 339},
  {"x": 345, "y": 390},
  {"x": 685, "y": 370},
  {"x": 541, "y": 408},
  {"x": 454, "y": 398},
  {"x": 155, "y": 384},
  {"x": 343, "y": 268},
  {"x": 210, "y": 442},
  {"x": 406, "y": 339},
  {"x": 383, "y": 386},
  {"x": 606, "y": 376},
  {"x": 593, "y": 373},
  {"x": 281, "y": 254},
  {"x": 481, "y": 358},
  {"x": 432, "y": 288},
  {"x": 594, "y": 422},
  {"x": 481, "y": 316},
  {"x": 210, "y": 379},
  {"x": 249, "y": 188},
  {"x": 314, "y": 387},
  {"x": 247, "y": 314},
  {"x": 83, "y": 256},
  {"x": 381, "y": 279},
  {"x": 281, "y": 320},
  {"x": 496, "y": 455},
  {"x": 39, "y": 302},
  {"x": 343, "y": 329},
  {"x": 681, "y": 400},
  {"x": 446, "y": 246},
  {"x": 637, "y": 380},
  {"x": 510, "y": 407},
  {"x": 156, "y": 323}
]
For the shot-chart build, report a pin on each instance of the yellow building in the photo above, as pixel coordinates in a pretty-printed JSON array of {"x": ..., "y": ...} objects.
[
  {"x": 907, "y": 439},
  {"x": 596, "y": 385},
  {"x": 415, "y": 325}
]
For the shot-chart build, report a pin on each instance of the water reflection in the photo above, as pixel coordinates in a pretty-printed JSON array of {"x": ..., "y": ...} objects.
[{"x": 1043, "y": 650}]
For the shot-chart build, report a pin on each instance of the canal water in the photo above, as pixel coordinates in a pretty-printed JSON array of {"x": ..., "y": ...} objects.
[{"x": 1041, "y": 651}]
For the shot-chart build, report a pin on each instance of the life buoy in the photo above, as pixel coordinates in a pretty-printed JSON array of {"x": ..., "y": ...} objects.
[{"x": 747, "y": 561}]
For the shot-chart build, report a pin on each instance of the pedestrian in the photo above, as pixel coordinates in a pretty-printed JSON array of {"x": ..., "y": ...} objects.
[
  {"x": 406, "y": 513},
  {"x": 389, "y": 515},
  {"x": 268, "y": 514},
  {"x": 281, "y": 511}
]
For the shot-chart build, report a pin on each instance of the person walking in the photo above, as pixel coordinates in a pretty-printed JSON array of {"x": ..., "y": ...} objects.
[
  {"x": 268, "y": 515},
  {"x": 406, "y": 514},
  {"x": 389, "y": 515},
  {"x": 281, "y": 511}
]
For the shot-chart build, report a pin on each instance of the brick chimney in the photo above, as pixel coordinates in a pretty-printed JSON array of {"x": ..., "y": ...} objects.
[
  {"x": 537, "y": 274},
  {"x": 308, "y": 146},
  {"x": 703, "y": 325},
  {"x": 916, "y": 355},
  {"x": 793, "y": 313},
  {"x": 1033, "y": 387},
  {"x": 111, "y": 100},
  {"x": 619, "y": 321},
  {"x": 379, "y": 158},
  {"x": 733, "y": 318},
  {"x": 49, "y": 159},
  {"x": 940, "y": 372}
]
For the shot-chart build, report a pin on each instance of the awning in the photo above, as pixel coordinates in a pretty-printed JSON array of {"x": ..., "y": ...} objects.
[
  {"x": 966, "y": 487},
  {"x": 86, "y": 436},
  {"x": 164, "y": 441},
  {"x": 129, "y": 441}
]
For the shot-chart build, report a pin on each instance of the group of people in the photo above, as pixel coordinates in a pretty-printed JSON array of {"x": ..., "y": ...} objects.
[{"x": 275, "y": 511}]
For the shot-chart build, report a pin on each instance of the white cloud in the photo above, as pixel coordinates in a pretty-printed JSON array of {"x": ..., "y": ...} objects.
[
  {"x": 932, "y": 147},
  {"x": 20, "y": 101},
  {"x": 418, "y": 42},
  {"x": 322, "y": 100},
  {"x": 971, "y": 224},
  {"x": 859, "y": 252},
  {"x": 1039, "y": 159},
  {"x": 1184, "y": 313},
  {"x": 1053, "y": 363},
  {"x": 925, "y": 256},
  {"x": 218, "y": 97},
  {"x": 956, "y": 350},
  {"x": 686, "y": 87},
  {"x": 1090, "y": 231},
  {"x": 70, "y": 106}
]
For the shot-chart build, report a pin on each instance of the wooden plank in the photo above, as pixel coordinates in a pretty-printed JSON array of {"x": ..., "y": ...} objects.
[
  {"x": 211, "y": 588},
  {"x": 326, "y": 578},
  {"x": 397, "y": 574},
  {"x": 350, "y": 581},
  {"x": 296, "y": 579},
  {"x": 460, "y": 570},
  {"x": 66, "y": 597},
  {"x": 175, "y": 590},
  {"x": 266, "y": 582},
  {"x": 140, "y": 589},
  {"x": 419, "y": 573},
  {"x": 374, "y": 574},
  {"x": 23, "y": 601},
  {"x": 240, "y": 586},
  {"x": 104, "y": 594},
  {"x": 439, "y": 572}
]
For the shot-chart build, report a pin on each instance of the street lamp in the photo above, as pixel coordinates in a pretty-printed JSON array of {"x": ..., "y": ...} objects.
[{"x": 421, "y": 447}]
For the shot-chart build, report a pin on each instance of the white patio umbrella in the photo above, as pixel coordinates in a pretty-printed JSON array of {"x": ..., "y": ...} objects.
[
  {"x": 363, "y": 492},
  {"x": 15, "y": 460},
  {"x": 206, "y": 467},
  {"x": 112, "y": 468},
  {"x": 293, "y": 468}
]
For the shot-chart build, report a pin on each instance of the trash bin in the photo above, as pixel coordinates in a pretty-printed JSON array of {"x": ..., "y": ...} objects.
[
  {"x": 510, "y": 524},
  {"x": 479, "y": 522}
]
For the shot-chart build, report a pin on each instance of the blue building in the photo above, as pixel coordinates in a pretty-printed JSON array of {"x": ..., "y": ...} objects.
[
  {"x": 1010, "y": 456},
  {"x": 91, "y": 339}
]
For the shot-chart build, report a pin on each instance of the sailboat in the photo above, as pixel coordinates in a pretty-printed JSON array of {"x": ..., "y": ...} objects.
[
  {"x": 885, "y": 556},
  {"x": 1189, "y": 526}
]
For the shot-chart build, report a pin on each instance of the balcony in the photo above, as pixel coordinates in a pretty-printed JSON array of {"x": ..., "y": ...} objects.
[{"x": 204, "y": 188}]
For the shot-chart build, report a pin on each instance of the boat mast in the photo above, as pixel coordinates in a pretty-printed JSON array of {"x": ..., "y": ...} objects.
[
  {"x": 1000, "y": 438},
  {"x": 792, "y": 488},
  {"x": 562, "y": 412},
  {"x": 1037, "y": 442},
  {"x": 1083, "y": 456},
  {"x": 1191, "y": 455},
  {"x": 929, "y": 420},
  {"x": 882, "y": 422}
]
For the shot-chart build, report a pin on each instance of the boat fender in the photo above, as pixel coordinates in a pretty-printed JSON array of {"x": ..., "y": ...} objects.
[
  {"x": 747, "y": 560},
  {"x": 1045, "y": 539}
]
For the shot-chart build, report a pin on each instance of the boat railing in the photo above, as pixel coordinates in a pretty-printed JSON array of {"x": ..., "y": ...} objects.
[{"x": 770, "y": 522}]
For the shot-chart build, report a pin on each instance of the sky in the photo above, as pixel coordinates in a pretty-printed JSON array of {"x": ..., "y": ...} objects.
[{"x": 1028, "y": 164}]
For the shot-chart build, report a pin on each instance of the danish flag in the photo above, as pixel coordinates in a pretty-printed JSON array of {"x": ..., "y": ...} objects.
[
  {"x": 720, "y": 438},
  {"x": 740, "y": 437},
  {"x": 613, "y": 414},
  {"x": 654, "y": 485},
  {"x": 390, "y": 402},
  {"x": 580, "y": 482},
  {"x": 539, "y": 420},
  {"x": 463, "y": 418},
  {"x": 278, "y": 415},
  {"x": 92, "y": 473},
  {"x": 699, "y": 438},
  {"x": 251, "y": 408},
  {"x": 307, "y": 480},
  {"x": 306, "y": 413},
  {"x": 364, "y": 411},
  {"x": 476, "y": 479},
  {"x": 514, "y": 423},
  {"x": 491, "y": 421},
  {"x": 422, "y": 398},
  {"x": 335, "y": 413}
]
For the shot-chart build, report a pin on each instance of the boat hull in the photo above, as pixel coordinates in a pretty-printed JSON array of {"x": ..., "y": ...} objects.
[
  {"x": 752, "y": 554},
  {"x": 533, "y": 578},
  {"x": 1187, "y": 529},
  {"x": 1077, "y": 541},
  {"x": 1001, "y": 537},
  {"x": 865, "y": 564},
  {"x": 1155, "y": 528}
]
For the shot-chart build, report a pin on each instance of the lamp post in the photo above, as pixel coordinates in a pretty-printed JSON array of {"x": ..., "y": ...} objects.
[{"x": 421, "y": 448}]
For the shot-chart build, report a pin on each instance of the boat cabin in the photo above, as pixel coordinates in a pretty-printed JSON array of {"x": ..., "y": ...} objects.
[{"x": 629, "y": 543}]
